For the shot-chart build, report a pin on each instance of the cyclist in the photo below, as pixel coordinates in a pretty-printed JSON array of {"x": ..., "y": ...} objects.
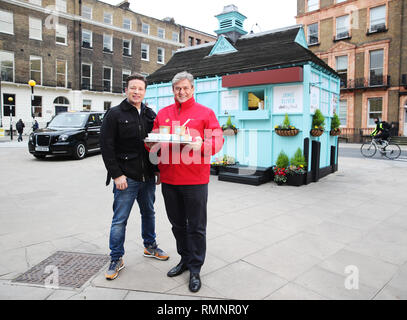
[{"x": 381, "y": 132}]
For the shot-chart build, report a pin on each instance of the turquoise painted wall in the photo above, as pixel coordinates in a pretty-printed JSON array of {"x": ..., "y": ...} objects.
[{"x": 257, "y": 143}]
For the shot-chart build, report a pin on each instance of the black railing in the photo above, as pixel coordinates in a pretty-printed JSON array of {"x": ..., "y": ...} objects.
[{"x": 366, "y": 83}]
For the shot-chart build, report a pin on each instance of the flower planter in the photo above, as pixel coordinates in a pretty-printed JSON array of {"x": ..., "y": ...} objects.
[
  {"x": 335, "y": 133},
  {"x": 230, "y": 132},
  {"x": 316, "y": 132},
  {"x": 296, "y": 179},
  {"x": 287, "y": 133}
]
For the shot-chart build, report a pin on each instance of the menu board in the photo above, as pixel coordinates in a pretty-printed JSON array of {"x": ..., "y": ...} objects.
[{"x": 230, "y": 100}]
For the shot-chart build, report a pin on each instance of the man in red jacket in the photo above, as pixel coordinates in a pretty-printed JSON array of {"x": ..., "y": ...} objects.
[{"x": 184, "y": 171}]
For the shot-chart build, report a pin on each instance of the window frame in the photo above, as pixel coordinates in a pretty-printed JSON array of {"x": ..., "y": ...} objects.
[
  {"x": 162, "y": 32},
  {"x": 32, "y": 58},
  {"x": 108, "y": 21},
  {"x": 348, "y": 28},
  {"x": 162, "y": 54},
  {"x": 66, "y": 73},
  {"x": 91, "y": 39},
  {"x": 369, "y": 20},
  {"x": 11, "y": 54},
  {"x": 369, "y": 125},
  {"x": 147, "y": 46},
  {"x": 63, "y": 27},
  {"x": 61, "y": 4},
  {"x": 308, "y": 34},
  {"x": 307, "y": 7},
  {"x": 105, "y": 49},
  {"x": 110, "y": 80},
  {"x": 124, "y": 25},
  {"x": 7, "y": 22},
  {"x": 129, "y": 48},
  {"x": 31, "y": 28},
  {"x": 90, "y": 76},
  {"x": 147, "y": 26},
  {"x": 85, "y": 14}
]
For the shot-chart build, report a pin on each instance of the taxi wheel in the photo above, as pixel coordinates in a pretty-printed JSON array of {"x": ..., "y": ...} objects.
[{"x": 79, "y": 151}]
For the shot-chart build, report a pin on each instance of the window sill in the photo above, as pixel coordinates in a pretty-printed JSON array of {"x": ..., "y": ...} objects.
[
  {"x": 62, "y": 44},
  {"x": 89, "y": 48},
  {"x": 107, "y": 51},
  {"x": 127, "y": 55},
  {"x": 314, "y": 44},
  {"x": 369, "y": 33},
  {"x": 252, "y": 115},
  {"x": 341, "y": 39}
]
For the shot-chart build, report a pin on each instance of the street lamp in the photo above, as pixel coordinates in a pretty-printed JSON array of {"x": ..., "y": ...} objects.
[
  {"x": 10, "y": 99},
  {"x": 32, "y": 84}
]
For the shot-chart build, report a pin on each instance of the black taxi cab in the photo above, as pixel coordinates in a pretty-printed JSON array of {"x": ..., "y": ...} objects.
[{"x": 69, "y": 134}]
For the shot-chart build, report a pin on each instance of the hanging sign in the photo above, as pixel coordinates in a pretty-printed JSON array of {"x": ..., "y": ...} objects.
[
  {"x": 314, "y": 105},
  {"x": 288, "y": 99},
  {"x": 230, "y": 100}
]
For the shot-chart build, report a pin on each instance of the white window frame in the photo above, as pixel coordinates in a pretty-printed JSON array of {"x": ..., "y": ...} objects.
[
  {"x": 127, "y": 73},
  {"x": 344, "y": 28},
  {"x": 6, "y": 55},
  {"x": 35, "y": 28},
  {"x": 90, "y": 33},
  {"x": 110, "y": 80},
  {"x": 107, "y": 18},
  {"x": 162, "y": 54},
  {"x": 60, "y": 5},
  {"x": 61, "y": 30},
  {"x": 6, "y": 22},
  {"x": 90, "y": 78},
  {"x": 127, "y": 26},
  {"x": 130, "y": 47},
  {"x": 161, "y": 33},
  {"x": 88, "y": 104},
  {"x": 87, "y": 12},
  {"x": 314, "y": 6},
  {"x": 66, "y": 73},
  {"x": 105, "y": 38},
  {"x": 175, "y": 36},
  {"x": 309, "y": 33},
  {"x": 31, "y": 77},
  {"x": 147, "y": 49},
  {"x": 376, "y": 113},
  {"x": 143, "y": 26},
  {"x": 343, "y": 112},
  {"x": 382, "y": 19}
]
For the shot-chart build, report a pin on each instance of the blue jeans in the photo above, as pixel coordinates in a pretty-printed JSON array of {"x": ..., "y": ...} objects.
[{"x": 144, "y": 193}]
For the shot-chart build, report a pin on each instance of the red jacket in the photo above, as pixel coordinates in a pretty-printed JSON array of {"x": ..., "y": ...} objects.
[{"x": 179, "y": 165}]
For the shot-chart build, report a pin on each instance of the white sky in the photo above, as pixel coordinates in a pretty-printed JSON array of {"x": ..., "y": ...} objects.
[{"x": 271, "y": 14}]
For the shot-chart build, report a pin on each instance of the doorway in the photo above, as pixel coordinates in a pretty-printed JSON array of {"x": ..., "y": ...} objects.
[{"x": 61, "y": 105}]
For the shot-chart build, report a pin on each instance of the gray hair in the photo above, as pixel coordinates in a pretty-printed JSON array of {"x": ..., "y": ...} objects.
[{"x": 182, "y": 76}]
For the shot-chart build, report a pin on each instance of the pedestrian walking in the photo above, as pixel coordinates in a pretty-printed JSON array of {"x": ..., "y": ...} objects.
[
  {"x": 35, "y": 125},
  {"x": 185, "y": 182},
  {"x": 20, "y": 129},
  {"x": 135, "y": 177}
]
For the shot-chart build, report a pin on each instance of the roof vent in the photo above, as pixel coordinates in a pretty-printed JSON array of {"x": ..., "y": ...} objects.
[{"x": 231, "y": 23}]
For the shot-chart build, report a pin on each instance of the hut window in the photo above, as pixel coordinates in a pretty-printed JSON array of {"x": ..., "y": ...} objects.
[{"x": 255, "y": 100}]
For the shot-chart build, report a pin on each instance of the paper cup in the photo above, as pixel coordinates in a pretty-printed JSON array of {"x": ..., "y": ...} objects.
[{"x": 165, "y": 129}]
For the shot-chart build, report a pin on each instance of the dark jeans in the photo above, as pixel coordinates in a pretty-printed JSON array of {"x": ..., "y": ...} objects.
[
  {"x": 382, "y": 136},
  {"x": 144, "y": 193},
  {"x": 186, "y": 210},
  {"x": 20, "y": 137}
]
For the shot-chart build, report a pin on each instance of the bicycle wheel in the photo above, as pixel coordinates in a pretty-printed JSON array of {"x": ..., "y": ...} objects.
[
  {"x": 368, "y": 150},
  {"x": 392, "y": 151}
]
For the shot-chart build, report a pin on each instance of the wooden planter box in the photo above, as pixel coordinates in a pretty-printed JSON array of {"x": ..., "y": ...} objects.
[
  {"x": 316, "y": 132},
  {"x": 287, "y": 133},
  {"x": 296, "y": 179},
  {"x": 230, "y": 132},
  {"x": 335, "y": 133}
]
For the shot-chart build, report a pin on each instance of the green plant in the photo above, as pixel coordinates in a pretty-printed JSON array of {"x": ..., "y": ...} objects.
[
  {"x": 298, "y": 159},
  {"x": 335, "y": 124},
  {"x": 280, "y": 175},
  {"x": 282, "y": 160},
  {"x": 229, "y": 125},
  {"x": 318, "y": 120},
  {"x": 286, "y": 124}
]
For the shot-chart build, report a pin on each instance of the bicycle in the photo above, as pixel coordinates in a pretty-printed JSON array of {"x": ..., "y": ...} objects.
[{"x": 389, "y": 149}]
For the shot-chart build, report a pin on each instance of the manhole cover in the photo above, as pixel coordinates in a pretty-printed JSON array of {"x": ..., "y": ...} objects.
[{"x": 64, "y": 269}]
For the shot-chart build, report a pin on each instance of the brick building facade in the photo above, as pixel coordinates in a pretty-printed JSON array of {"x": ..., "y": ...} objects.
[
  {"x": 366, "y": 42},
  {"x": 79, "y": 52}
]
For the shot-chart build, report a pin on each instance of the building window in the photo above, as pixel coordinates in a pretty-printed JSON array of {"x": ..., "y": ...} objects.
[
  {"x": 107, "y": 79},
  {"x": 126, "y": 23},
  {"x": 127, "y": 48},
  {"x": 36, "y": 69},
  {"x": 255, "y": 100},
  {"x": 343, "y": 112},
  {"x": 175, "y": 37},
  {"x": 37, "y": 106},
  {"x": 86, "y": 105},
  {"x": 107, "y": 105},
  {"x": 7, "y": 66},
  {"x": 190, "y": 41},
  {"x": 61, "y": 73},
  {"x": 87, "y": 12},
  {"x": 340, "y": 1},
  {"x": 61, "y": 34},
  {"x": 375, "y": 106},
  {"x": 145, "y": 28},
  {"x": 86, "y": 76},
  {"x": 376, "y": 67},
  {"x": 145, "y": 52},
  {"x": 6, "y": 22},
  {"x": 342, "y": 69},
  {"x": 160, "y": 55},
  {"x": 60, "y": 5},
  {"x": 87, "y": 39},
  {"x": 107, "y": 43},
  {"x": 35, "y": 28},
  {"x": 161, "y": 33},
  {"x": 312, "y": 5},
  {"x": 377, "y": 19},
  {"x": 342, "y": 27},
  {"x": 9, "y": 106},
  {"x": 125, "y": 75},
  {"x": 313, "y": 34},
  {"x": 107, "y": 18}
]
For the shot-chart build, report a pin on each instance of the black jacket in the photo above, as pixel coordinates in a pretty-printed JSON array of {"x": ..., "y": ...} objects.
[{"x": 121, "y": 139}]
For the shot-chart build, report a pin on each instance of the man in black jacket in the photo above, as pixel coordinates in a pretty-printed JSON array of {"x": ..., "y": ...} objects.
[{"x": 127, "y": 162}]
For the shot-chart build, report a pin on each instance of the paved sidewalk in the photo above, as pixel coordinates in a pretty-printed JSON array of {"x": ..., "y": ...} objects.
[{"x": 265, "y": 242}]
